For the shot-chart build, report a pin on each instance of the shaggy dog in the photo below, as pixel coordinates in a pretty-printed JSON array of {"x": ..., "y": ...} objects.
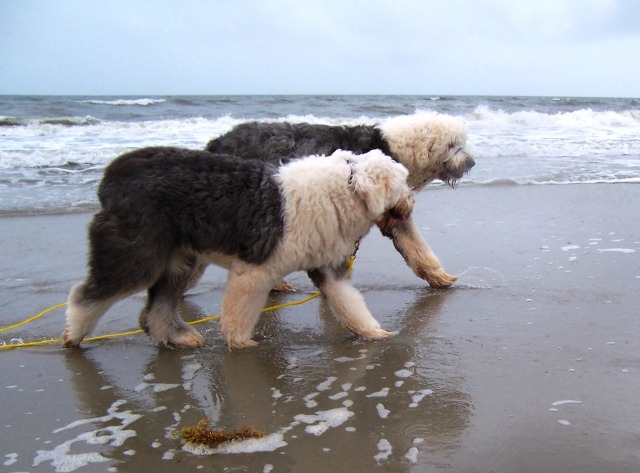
[
  {"x": 166, "y": 209},
  {"x": 430, "y": 146}
]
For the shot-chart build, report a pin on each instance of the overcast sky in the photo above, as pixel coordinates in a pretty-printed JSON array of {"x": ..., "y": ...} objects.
[{"x": 431, "y": 47}]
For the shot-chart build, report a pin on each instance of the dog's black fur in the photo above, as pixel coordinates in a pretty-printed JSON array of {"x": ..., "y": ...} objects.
[
  {"x": 281, "y": 142},
  {"x": 162, "y": 199},
  {"x": 167, "y": 212}
]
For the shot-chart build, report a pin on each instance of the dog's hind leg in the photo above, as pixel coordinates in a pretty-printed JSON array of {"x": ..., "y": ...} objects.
[
  {"x": 84, "y": 309},
  {"x": 159, "y": 318},
  {"x": 247, "y": 289},
  {"x": 116, "y": 270},
  {"x": 347, "y": 304},
  {"x": 195, "y": 273},
  {"x": 424, "y": 263}
]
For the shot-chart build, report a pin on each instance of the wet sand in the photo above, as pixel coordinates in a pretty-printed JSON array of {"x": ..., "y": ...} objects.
[{"x": 528, "y": 363}]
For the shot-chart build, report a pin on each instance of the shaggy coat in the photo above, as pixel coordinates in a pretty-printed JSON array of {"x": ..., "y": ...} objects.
[
  {"x": 167, "y": 210},
  {"x": 281, "y": 142},
  {"x": 430, "y": 146}
]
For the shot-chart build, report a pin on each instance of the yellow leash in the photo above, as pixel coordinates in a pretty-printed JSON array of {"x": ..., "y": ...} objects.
[
  {"x": 136, "y": 332},
  {"x": 31, "y": 319}
]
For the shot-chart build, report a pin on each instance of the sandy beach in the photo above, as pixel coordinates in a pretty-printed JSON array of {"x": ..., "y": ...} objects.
[{"x": 529, "y": 363}]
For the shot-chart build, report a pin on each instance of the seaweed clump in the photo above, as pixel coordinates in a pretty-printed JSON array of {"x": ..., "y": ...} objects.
[{"x": 203, "y": 434}]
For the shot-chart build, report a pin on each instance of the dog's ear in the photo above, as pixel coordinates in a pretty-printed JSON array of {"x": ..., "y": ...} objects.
[
  {"x": 378, "y": 181},
  {"x": 371, "y": 192}
]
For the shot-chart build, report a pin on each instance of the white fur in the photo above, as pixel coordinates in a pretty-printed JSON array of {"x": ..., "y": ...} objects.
[
  {"x": 329, "y": 204},
  {"x": 324, "y": 215},
  {"x": 83, "y": 318},
  {"x": 426, "y": 144}
]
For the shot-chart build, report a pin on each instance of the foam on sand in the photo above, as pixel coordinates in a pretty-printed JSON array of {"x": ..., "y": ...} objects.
[
  {"x": 61, "y": 457},
  {"x": 269, "y": 443},
  {"x": 322, "y": 421}
]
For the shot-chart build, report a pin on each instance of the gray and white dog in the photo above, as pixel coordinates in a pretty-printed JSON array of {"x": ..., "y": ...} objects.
[
  {"x": 429, "y": 145},
  {"x": 166, "y": 212}
]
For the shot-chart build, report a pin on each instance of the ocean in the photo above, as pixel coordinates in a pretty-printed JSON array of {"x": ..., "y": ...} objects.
[{"x": 54, "y": 149}]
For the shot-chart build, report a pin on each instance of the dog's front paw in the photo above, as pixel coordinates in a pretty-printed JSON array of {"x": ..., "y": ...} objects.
[
  {"x": 69, "y": 340},
  {"x": 375, "y": 334},
  {"x": 232, "y": 343},
  {"x": 186, "y": 339},
  {"x": 440, "y": 279}
]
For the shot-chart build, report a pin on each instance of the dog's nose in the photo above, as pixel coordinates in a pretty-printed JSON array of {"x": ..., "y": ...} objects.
[{"x": 469, "y": 162}]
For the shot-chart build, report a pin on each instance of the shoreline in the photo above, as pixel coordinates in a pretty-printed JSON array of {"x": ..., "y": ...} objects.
[{"x": 90, "y": 207}]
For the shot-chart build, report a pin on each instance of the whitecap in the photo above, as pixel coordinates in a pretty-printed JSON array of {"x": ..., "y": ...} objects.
[{"x": 142, "y": 102}]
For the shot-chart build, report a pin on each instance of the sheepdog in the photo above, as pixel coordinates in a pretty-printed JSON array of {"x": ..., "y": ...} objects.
[
  {"x": 166, "y": 209},
  {"x": 429, "y": 145}
]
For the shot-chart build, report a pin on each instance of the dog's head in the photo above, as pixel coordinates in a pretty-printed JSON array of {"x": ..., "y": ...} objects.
[
  {"x": 381, "y": 183},
  {"x": 430, "y": 145}
]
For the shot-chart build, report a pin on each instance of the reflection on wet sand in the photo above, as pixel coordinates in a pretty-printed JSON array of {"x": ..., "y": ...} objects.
[{"x": 326, "y": 395}]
